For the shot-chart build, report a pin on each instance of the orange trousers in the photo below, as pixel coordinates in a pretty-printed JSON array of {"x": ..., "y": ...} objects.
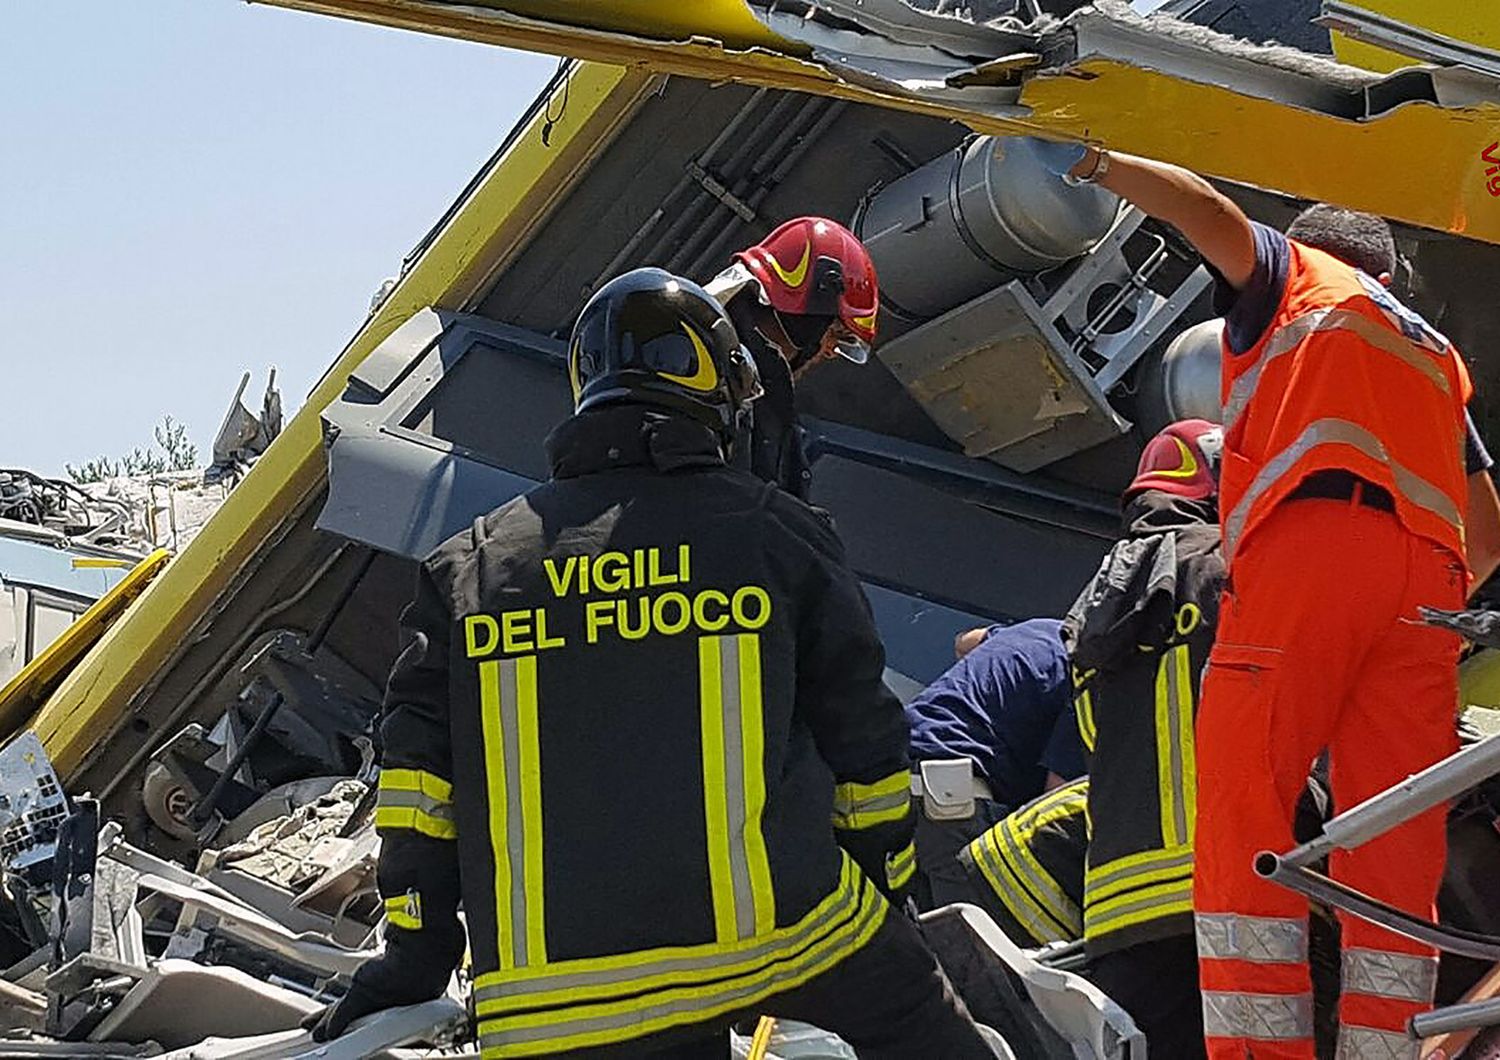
[{"x": 1318, "y": 647}]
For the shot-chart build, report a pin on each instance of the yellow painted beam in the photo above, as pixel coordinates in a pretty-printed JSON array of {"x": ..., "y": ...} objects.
[
  {"x": 1419, "y": 163},
  {"x": 1475, "y": 22},
  {"x": 498, "y": 217},
  {"x": 22, "y": 693}
]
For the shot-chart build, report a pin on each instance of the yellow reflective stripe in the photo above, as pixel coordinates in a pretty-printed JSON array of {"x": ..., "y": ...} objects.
[
  {"x": 1134, "y": 869},
  {"x": 1046, "y": 890},
  {"x": 900, "y": 866},
  {"x": 1182, "y": 905},
  {"x": 431, "y": 785},
  {"x": 1138, "y": 880},
  {"x": 715, "y": 799},
  {"x": 411, "y": 819},
  {"x": 734, "y": 794},
  {"x": 1187, "y": 745},
  {"x": 508, "y": 707},
  {"x": 544, "y": 1033},
  {"x": 1063, "y": 801},
  {"x": 639, "y": 970},
  {"x": 531, "y": 809},
  {"x": 1174, "y": 735},
  {"x": 405, "y": 911},
  {"x": 494, "y": 773},
  {"x": 752, "y": 732},
  {"x": 1172, "y": 890},
  {"x": 1012, "y": 893},
  {"x": 415, "y": 800},
  {"x": 1083, "y": 706},
  {"x": 858, "y": 806}
]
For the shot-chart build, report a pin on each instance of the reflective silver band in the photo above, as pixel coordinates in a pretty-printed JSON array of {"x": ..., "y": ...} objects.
[
  {"x": 1380, "y": 973},
  {"x": 1128, "y": 867},
  {"x": 734, "y": 784},
  {"x": 1368, "y": 1043},
  {"x": 1293, "y": 333},
  {"x": 1411, "y": 486},
  {"x": 414, "y": 800},
  {"x": 562, "y": 1029},
  {"x": 1259, "y": 939},
  {"x": 1046, "y": 890},
  {"x": 515, "y": 833},
  {"x": 1267, "y": 1017},
  {"x": 1170, "y": 663},
  {"x": 839, "y": 906}
]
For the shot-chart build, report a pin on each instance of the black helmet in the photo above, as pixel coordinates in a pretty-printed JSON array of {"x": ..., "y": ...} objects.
[{"x": 652, "y": 338}]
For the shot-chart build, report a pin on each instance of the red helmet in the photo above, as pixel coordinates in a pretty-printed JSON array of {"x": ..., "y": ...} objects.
[
  {"x": 1183, "y": 459},
  {"x": 811, "y": 266}
]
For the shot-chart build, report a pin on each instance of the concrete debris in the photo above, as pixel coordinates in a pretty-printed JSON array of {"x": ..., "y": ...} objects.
[{"x": 166, "y": 510}]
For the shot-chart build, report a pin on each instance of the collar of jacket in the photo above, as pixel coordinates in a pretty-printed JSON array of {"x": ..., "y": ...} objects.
[
  {"x": 1154, "y": 512},
  {"x": 775, "y": 373},
  {"x": 620, "y": 436}
]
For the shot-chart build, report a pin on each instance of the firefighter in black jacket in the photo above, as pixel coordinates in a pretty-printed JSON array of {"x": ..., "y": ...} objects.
[
  {"x": 640, "y": 716},
  {"x": 1139, "y": 636},
  {"x": 802, "y": 296}
]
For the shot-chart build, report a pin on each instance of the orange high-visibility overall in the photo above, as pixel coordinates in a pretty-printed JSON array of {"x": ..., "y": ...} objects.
[{"x": 1318, "y": 646}]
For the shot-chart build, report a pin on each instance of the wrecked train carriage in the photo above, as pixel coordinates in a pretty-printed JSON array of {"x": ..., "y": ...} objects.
[{"x": 972, "y": 469}]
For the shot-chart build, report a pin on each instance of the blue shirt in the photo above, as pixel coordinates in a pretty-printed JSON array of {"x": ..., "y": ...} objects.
[
  {"x": 1247, "y": 314},
  {"x": 1007, "y": 706}
]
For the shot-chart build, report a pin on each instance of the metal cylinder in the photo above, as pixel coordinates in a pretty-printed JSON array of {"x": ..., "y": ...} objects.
[
  {"x": 1456, "y": 1018},
  {"x": 1190, "y": 373},
  {"x": 974, "y": 218}
]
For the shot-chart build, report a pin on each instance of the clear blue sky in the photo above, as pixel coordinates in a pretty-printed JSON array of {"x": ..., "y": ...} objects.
[{"x": 193, "y": 188}]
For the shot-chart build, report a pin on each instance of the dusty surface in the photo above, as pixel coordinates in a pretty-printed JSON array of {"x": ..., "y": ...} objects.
[{"x": 167, "y": 510}]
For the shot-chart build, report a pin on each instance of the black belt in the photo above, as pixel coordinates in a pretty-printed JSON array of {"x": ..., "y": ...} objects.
[{"x": 1336, "y": 485}]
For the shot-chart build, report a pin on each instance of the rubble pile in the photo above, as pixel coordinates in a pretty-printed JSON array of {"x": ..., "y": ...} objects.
[
  {"x": 165, "y": 510},
  {"x": 297, "y": 848}
]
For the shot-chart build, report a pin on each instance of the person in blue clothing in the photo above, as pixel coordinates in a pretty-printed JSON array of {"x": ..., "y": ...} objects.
[{"x": 989, "y": 735}]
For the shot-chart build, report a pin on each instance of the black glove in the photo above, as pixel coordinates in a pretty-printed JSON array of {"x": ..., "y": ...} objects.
[{"x": 333, "y": 1020}]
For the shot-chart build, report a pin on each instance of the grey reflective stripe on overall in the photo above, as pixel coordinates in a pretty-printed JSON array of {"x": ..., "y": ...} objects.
[
  {"x": 1260, "y": 939},
  {"x": 1369, "y": 1043},
  {"x": 1410, "y": 485},
  {"x": 1380, "y": 973},
  {"x": 1290, "y": 335},
  {"x": 1269, "y": 1017}
]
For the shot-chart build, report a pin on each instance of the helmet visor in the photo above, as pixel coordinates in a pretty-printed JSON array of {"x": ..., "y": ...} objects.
[{"x": 846, "y": 344}]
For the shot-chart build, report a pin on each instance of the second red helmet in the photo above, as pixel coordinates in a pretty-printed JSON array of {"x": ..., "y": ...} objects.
[
  {"x": 1182, "y": 459},
  {"x": 811, "y": 266}
]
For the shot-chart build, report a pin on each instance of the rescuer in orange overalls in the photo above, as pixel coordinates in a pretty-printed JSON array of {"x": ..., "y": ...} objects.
[{"x": 1343, "y": 496}]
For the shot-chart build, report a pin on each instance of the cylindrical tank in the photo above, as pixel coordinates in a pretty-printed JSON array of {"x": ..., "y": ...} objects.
[
  {"x": 975, "y": 218},
  {"x": 1184, "y": 383}
]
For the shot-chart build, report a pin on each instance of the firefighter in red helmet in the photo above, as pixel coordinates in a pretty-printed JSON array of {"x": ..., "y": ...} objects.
[{"x": 802, "y": 296}]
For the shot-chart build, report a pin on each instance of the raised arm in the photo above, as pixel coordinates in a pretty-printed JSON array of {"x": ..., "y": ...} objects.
[{"x": 1209, "y": 220}]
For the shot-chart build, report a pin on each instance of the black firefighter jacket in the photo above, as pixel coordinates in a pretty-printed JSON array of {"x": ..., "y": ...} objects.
[
  {"x": 640, "y": 714},
  {"x": 1139, "y": 636},
  {"x": 774, "y": 448}
]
